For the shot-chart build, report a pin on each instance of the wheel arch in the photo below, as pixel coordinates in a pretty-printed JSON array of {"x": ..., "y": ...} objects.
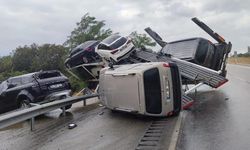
[{"x": 23, "y": 95}]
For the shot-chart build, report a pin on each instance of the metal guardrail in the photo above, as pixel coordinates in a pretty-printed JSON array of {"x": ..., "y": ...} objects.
[{"x": 30, "y": 113}]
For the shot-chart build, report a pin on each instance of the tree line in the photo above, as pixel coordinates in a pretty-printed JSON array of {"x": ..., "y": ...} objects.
[{"x": 32, "y": 58}]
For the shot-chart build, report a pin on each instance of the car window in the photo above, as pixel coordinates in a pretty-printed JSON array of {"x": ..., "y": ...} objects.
[
  {"x": 95, "y": 44},
  {"x": 74, "y": 51},
  {"x": 111, "y": 39},
  {"x": 202, "y": 51},
  {"x": 45, "y": 75},
  {"x": 82, "y": 46},
  {"x": 17, "y": 81},
  {"x": 27, "y": 79},
  {"x": 103, "y": 47},
  {"x": 118, "y": 43}
]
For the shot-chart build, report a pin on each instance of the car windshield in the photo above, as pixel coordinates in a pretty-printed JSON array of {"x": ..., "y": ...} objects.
[
  {"x": 81, "y": 47},
  {"x": 3, "y": 86},
  {"x": 111, "y": 39},
  {"x": 45, "y": 75},
  {"x": 118, "y": 43},
  {"x": 103, "y": 47},
  {"x": 115, "y": 45}
]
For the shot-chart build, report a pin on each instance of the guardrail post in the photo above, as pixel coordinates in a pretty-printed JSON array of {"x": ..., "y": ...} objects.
[
  {"x": 64, "y": 110},
  {"x": 84, "y": 102},
  {"x": 32, "y": 124}
]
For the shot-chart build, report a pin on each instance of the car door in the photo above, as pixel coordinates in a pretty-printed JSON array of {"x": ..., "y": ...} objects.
[{"x": 12, "y": 92}]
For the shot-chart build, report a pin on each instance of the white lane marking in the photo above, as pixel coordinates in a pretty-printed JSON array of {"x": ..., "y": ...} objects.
[{"x": 176, "y": 132}]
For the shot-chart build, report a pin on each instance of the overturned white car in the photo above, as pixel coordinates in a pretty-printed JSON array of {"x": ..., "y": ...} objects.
[{"x": 152, "y": 89}]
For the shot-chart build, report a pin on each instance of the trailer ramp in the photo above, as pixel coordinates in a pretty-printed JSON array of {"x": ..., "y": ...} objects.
[
  {"x": 187, "y": 101},
  {"x": 188, "y": 70}
]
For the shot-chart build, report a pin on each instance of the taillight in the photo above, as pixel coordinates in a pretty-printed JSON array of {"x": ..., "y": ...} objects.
[
  {"x": 166, "y": 65},
  {"x": 221, "y": 83},
  {"x": 114, "y": 51}
]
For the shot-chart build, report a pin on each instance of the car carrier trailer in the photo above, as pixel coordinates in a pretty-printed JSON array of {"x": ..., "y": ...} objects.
[{"x": 191, "y": 72}]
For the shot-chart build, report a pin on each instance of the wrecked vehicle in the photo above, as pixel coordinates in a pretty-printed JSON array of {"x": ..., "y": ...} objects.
[
  {"x": 197, "y": 50},
  {"x": 198, "y": 59},
  {"x": 152, "y": 89},
  {"x": 83, "y": 53},
  {"x": 115, "y": 48},
  {"x": 38, "y": 87}
]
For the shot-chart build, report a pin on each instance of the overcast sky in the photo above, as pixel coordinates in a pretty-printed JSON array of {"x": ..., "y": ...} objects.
[{"x": 23, "y": 22}]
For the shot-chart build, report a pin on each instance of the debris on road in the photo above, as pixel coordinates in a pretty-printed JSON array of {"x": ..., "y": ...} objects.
[{"x": 72, "y": 126}]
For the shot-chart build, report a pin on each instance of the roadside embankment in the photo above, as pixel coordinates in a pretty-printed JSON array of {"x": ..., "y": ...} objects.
[{"x": 239, "y": 60}]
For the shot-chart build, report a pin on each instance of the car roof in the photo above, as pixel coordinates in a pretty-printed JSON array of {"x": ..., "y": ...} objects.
[
  {"x": 33, "y": 73},
  {"x": 25, "y": 75},
  {"x": 83, "y": 45},
  {"x": 189, "y": 39}
]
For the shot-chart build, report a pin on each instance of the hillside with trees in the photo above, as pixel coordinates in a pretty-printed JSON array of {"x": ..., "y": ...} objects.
[{"x": 32, "y": 58}]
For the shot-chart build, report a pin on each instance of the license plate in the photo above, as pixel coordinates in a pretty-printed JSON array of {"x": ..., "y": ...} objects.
[
  {"x": 122, "y": 48},
  {"x": 54, "y": 86}
]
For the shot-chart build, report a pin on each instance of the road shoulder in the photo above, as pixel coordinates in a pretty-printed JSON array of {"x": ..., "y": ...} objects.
[{"x": 177, "y": 131}]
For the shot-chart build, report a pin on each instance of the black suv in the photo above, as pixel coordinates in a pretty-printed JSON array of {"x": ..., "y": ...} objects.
[
  {"x": 83, "y": 53},
  {"x": 38, "y": 87}
]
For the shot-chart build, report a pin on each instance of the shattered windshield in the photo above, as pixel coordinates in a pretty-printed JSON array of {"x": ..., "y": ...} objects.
[{"x": 3, "y": 86}]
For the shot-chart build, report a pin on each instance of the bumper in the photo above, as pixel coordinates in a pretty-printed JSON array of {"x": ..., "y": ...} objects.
[
  {"x": 57, "y": 96},
  {"x": 125, "y": 55}
]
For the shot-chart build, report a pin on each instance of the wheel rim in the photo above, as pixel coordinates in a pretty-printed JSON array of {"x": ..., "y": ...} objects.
[{"x": 24, "y": 104}]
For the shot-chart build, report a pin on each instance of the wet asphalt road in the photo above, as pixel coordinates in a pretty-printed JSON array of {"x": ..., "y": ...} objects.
[
  {"x": 97, "y": 129},
  {"x": 220, "y": 119}
]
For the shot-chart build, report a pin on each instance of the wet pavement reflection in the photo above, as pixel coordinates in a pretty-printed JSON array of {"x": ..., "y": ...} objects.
[{"x": 219, "y": 118}]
